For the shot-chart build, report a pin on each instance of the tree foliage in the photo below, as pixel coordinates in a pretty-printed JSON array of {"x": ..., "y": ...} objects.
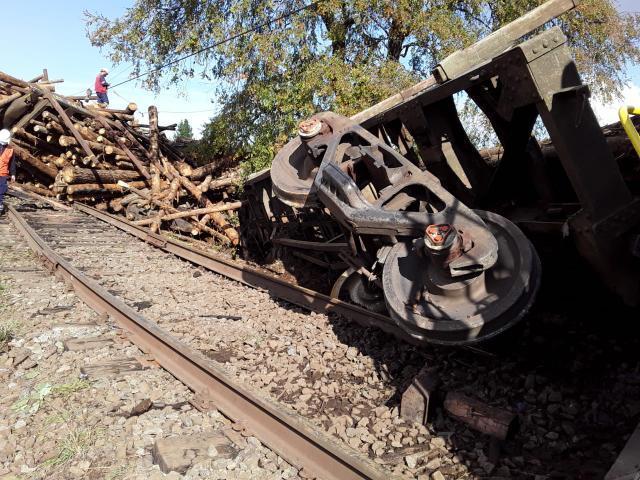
[
  {"x": 184, "y": 130},
  {"x": 342, "y": 55}
]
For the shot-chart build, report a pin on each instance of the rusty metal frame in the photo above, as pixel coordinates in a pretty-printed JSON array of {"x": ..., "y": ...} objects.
[
  {"x": 537, "y": 77},
  {"x": 290, "y": 437}
]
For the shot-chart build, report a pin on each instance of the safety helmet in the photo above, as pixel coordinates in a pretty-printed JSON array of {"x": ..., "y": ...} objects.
[
  {"x": 104, "y": 70},
  {"x": 5, "y": 136}
]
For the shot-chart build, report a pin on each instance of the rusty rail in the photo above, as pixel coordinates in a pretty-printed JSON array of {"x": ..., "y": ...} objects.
[
  {"x": 303, "y": 297},
  {"x": 312, "y": 451}
]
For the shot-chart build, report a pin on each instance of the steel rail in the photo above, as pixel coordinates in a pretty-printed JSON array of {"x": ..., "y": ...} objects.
[
  {"x": 291, "y": 438},
  {"x": 303, "y": 297}
]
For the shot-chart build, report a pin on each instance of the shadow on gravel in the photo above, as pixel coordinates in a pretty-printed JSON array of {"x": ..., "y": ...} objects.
[{"x": 571, "y": 371}]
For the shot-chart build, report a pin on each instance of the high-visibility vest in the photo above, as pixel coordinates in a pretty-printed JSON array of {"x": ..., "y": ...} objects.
[{"x": 5, "y": 160}]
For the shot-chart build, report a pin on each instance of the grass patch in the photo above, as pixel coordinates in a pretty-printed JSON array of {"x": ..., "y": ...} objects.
[
  {"x": 8, "y": 330},
  {"x": 31, "y": 403},
  {"x": 66, "y": 389},
  {"x": 73, "y": 444},
  {"x": 56, "y": 418},
  {"x": 118, "y": 473},
  {"x": 8, "y": 327}
]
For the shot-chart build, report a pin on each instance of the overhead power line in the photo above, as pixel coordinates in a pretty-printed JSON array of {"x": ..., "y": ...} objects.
[{"x": 221, "y": 42}]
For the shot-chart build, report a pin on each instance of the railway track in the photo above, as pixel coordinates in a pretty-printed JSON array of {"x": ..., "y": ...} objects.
[
  {"x": 50, "y": 234},
  {"x": 328, "y": 376}
]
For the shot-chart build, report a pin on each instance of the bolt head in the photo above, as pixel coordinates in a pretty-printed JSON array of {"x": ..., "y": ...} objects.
[
  {"x": 440, "y": 237},
  {"x": 309, "y": 128}
]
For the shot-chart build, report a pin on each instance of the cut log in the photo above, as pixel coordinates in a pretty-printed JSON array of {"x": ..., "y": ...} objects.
[
  {"x": 45, "y": 192},
  {"x": 206, "y": 183},
  {"x": 56, "y": 127},
  {"x": 72, "y": 175},
  {"x": 33, "y": 162},
  {"x": 141, "y": 168},
  {"x": 225, "y": 207},
  {"x": 194, "y": 222},
  {"x": 6, "y": 78},
  {"x": 100, "y": 187},
  {"x": 65, "y": 119},
  {"x": 218, "y": 218}
]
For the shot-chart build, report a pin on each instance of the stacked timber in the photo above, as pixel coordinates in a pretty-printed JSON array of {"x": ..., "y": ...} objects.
[{"x": 74, "y": 150}]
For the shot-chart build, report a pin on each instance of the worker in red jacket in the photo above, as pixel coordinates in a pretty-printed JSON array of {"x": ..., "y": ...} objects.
[
  {"x": 7, "y": 165},
  {"x": 101, "y": 87}
]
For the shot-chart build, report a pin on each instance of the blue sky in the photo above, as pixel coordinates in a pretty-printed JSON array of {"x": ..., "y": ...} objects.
[{"x": 52, "y": 35}]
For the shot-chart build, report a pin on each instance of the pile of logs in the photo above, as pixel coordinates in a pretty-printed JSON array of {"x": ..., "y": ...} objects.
[{"x": 74, "y": 150}]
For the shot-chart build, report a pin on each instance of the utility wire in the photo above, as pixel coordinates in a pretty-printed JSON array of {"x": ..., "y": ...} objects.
[{"x": 221, "y": 42}]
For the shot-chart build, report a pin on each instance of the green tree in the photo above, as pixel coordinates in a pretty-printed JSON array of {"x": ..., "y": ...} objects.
[
  {"x": 184, "y": 130},
  {"x": 342, "y": 55}
]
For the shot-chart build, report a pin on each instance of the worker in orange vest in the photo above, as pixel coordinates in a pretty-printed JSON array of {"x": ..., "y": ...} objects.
[{"x": 7, "y": 165}]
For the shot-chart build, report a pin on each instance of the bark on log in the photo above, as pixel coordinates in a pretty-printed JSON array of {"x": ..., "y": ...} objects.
[
  {"x": 203, "y": 171},
  {"x": 86, "y": 132},
  {"x": 56, "y": 127},
  {"x": 72, "y": 175},
  {"x": 206, "y": 183},
  {"x": 6, "y": 101},
  {"x": 493, "y": 421},
  {"x": 100, "y": 187},
  {"x": 45, "y": 192},
  {"x": 67, "y": 121},
  {"x": 194, "y": 222},
  {"x": 218, "y": 218},
  {"x": 42, "y": 130},
  {"x": 225, "y": 207},
  {"x": 222, "y": 183},
  {"x": 35, "y": 111},
  {"x": 136, "y": 161},
  {"x": 154, "y": 151},
  {"x": 34, "y": 162},
  {"x": 6, "y": 78},
  {"x": 31, "y": 139}
]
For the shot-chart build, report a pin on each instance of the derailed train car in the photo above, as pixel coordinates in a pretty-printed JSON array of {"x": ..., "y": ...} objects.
[{"x": 410, "y": 219}]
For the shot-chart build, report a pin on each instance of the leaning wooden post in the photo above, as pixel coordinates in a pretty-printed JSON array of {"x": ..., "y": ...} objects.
[
  {"x": 154, "y": 134},
  {"x": 35, "y": 111}
]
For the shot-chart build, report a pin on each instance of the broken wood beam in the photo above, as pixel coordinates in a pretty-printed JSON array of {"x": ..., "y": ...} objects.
[{"x": 493, "y": 421}]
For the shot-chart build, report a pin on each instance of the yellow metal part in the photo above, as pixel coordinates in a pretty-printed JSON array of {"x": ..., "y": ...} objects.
[{"x": 625, "y": 120}]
